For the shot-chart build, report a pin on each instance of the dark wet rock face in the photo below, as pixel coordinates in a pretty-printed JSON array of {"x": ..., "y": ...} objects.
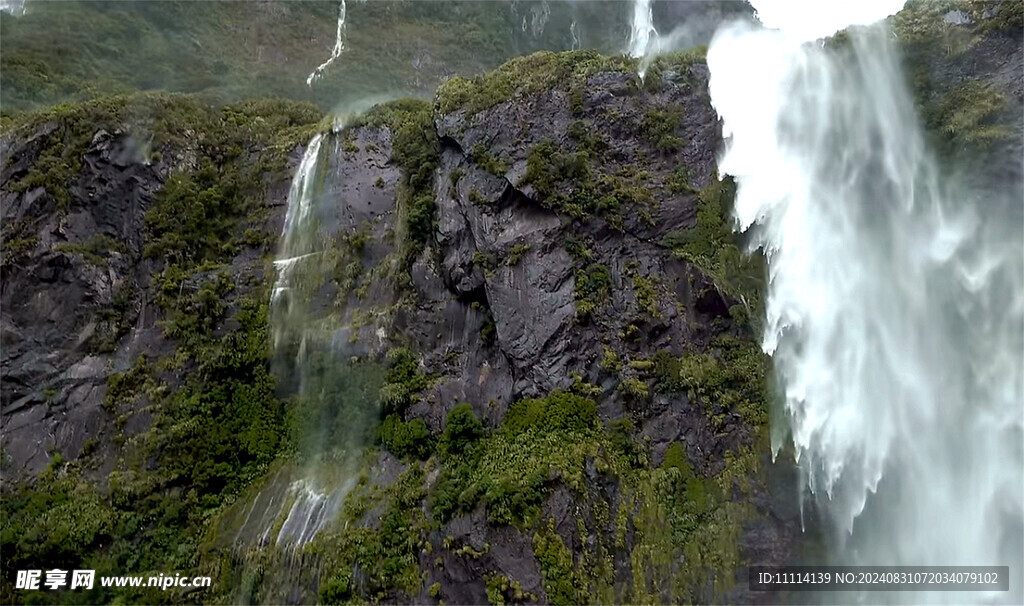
[
  {"x": 549, "y": 267},
  {"x": 502, "y": 218},
  {"x": 56, "y": 336},
  {"x": 518, "y": 294}
]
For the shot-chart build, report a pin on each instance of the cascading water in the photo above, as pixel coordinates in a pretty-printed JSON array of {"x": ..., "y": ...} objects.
[
  {"x": 642, "y": 30},
  {"x": 313, "y": 503},
  {"x": 339, "y": 45},
  {"x": 12, "y": 7},
  {"x": 895, "y": 310},
  {"x": 333, "y": 400}
]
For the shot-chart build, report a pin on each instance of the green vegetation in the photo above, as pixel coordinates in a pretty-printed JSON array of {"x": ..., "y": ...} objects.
[
  {"x": 592, "y": 288},
  {"x": 730, "y": 376},
  {"x": 225, "y": 138},
  {"x": 477, "y": 198},
  {"x": 516, "y": 254},
  {"x": 677, "y": 61},
  {"x": 546, "y": 165},
  {"x": 95, "y": 250},
  {"x": 209, "y": 439},
  {"x": 966, "y": 120},
  {"x": 406, "y": 439},
  {"x": 969, "y": 117},
  {"x": 124, "y": 387},
  {"x": 387, "y": 555},
  {"x": 634, "y": 388},
  {"x": 587, "y": 139},
  {"x": 462, "y": 429},
  {"x": 502, "y": 590},
  {"x": 486, "y": 161},
  {"x": 485, "y": 261},
  {"x": 610, "y": 362},
  {"x": 219, "y": 428},
  {"x": 415, "y": 149},
  {"x": 403, "y": 381},
  {"x": 646, "y": 294},
  {"x": 572, "y": 183},
  {"x": 679, "y": 181},
  {"x": 711, "y": 245},
  {"x": 712, "y": 232},
  {"x": 559, "y": 411},
  {"x": 578, "y": 248},
  {"x": 18, "y": 241},
  {"x": 508, "y": 469},
  {"x": 488, "y": 329},
  {"x": 661, "y": 127},
  {"x": 539, "y": 72},
  {"x": 562, "y": 583}
]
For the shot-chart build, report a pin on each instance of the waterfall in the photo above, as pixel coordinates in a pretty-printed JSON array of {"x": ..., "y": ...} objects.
[
  {"x": 642, "y": 30},
  {"x": 312, "y": 503},
  {"x": 295, "y": 245},
  {"x": 12, "y": 7},
  {"x": 339, "y": 46},
  {"x": 895, "y": 306}
]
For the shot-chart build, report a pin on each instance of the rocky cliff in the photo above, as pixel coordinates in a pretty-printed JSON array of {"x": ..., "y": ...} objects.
[{"x": 530, "y": 284}]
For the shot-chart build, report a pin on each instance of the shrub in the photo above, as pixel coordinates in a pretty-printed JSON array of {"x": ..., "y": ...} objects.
[
  {"x": 559, "y": 411},
  {"x": 620, "y": 434},
  {"x": 511, "y": 502},
  {"x": 562, "y": 582},
  {"x": 337, "y": 589},
  {"x": 462, "y": 429},
  {"x": 486, "y": 161},
  {"x": 591, "y": 288},
  {"x": 406, "y": 439},
  {"x": 402, "y": 382},
  {"x": 675, "y": 457},
  {"x": 634, "y": 388},
  {"x": 516, "y": 254},
  {"x": 534, "y": 73},
  {"x": 661, "y": 126},
  {"x": 610, "y": 361}
]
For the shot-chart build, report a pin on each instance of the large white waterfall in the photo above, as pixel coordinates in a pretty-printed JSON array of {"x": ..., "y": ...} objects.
[{"x": 895, "y": 311}]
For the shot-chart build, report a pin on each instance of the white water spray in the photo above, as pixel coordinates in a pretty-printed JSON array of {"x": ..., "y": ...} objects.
[
  {"x": 895, "y": 307},
  {"x": 642, "y": 31},
  {"x": 12, "y": 7},
  {"x": 300, "y": 202},
  {"x": 339, "y": 45}
]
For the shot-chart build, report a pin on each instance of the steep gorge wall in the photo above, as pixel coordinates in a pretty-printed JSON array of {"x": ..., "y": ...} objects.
[{"x": 547, "y": 243}]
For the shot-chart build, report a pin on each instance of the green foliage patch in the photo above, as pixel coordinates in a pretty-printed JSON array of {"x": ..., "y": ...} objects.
[
  {"x": 730, "y": 376},
  {"x": 403, "y": 381},
  {"x": 415, "y": 149},
  {"x": 592, "y": 288},
  {"x": 572, "y": 182},
  {"x": 712, "y": 246},
  {"x": 406, "y": 439},
  {"x": 559, "y": 411},
  {"x": 536, "y": 73}
]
